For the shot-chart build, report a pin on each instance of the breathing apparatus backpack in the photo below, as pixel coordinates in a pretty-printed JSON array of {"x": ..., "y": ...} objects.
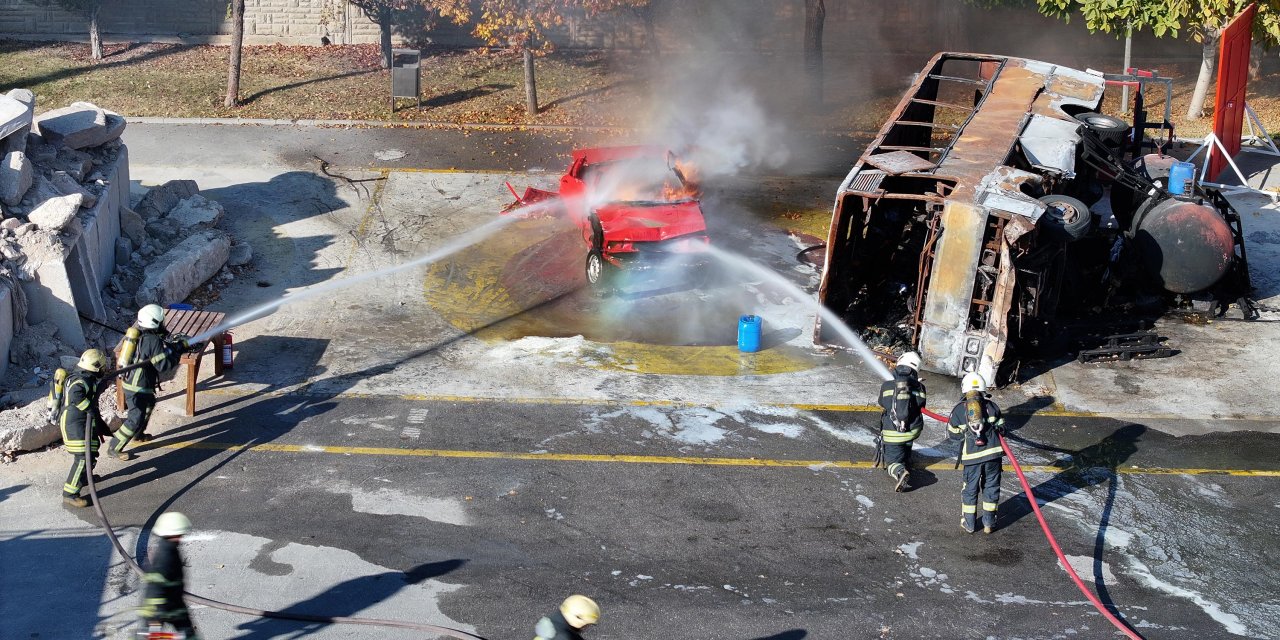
[
  {"x": 57, "y": 388},
  {"x": 976, "y": 417},
  {"x": 129, "y": 347},
  {"x": 904, "y": 407}
]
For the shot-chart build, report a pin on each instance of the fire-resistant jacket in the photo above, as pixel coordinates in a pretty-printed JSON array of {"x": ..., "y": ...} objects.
[
  {"x": 150, "y": 349},
  {"x": 80, "y": 399},
  {"x": 163, "y": 581},
  {"x": 957, "y": 427},
  {"x": 555, "y": 627},
  {"x": 914, "y": 420}
]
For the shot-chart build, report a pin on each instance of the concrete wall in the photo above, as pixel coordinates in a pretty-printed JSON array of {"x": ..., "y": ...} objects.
[{"x": 85, "y": 267}]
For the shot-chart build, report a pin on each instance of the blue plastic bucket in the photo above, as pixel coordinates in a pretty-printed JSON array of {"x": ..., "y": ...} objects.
[
  {"x": 1181, "y": 176},
  {"x": 749, "y": 334}
]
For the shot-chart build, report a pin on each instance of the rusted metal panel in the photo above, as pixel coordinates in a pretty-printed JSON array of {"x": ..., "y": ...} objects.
[
  {"x": 946, "y": 308},
  {"x": 1050, "y": 143},
  {"x": 898, "y": 162}
]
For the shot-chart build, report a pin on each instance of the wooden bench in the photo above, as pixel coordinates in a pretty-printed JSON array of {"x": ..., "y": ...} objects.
[{"x": 190, "y": 324}]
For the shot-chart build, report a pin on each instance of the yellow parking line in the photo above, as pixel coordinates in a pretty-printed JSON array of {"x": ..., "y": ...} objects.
[{"x": 643, "y": 459}]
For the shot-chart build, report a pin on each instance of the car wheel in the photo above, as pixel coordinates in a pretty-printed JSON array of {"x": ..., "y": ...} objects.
[
  {"x": 1109, "y": 128},
  {"x": 1067, "y": 216},
  {"x": 596, "y": 268}
]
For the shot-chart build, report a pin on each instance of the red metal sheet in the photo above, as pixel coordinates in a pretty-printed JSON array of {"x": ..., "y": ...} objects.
[{"x": 1233, "y": 79}]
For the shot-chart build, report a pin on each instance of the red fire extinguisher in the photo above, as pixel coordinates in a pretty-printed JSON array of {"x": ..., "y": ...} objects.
[{"x": 227, "y": 361}]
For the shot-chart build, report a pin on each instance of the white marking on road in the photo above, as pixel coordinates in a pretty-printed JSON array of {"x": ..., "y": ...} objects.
[
  {"x": 390, "y": 502},
  {"x": 865, "y": 501},
  {"x": 411, "y": 433},
  {"x": 1229, "y": 621},
  {"x": 909, "y": 549},
  {"x": 418, "y": 416}
]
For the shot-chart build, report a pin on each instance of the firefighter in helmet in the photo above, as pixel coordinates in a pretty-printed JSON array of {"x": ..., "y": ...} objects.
[
  {"x": 79, "y": 407},
  {"x": 902, "y": 398},
  {"x": 575, "y": 615},
  {"x": 977, "y": 421},
  {"x": 164, "y": 579},
  {"x": 147, "y": 343}
]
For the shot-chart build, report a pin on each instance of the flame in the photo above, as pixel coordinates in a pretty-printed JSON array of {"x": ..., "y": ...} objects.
[{"x": 691, "y": 189}]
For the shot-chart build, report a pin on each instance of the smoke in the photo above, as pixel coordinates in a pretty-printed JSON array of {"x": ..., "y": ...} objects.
[{"x": 721, "y": 128}]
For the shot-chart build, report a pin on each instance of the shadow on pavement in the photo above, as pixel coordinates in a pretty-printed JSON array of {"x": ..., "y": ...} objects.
[
  {"x": 344, "y": 599},
  {"x": 794, "y": 634},
  {"x": 5, "y": 492},
  {"x": 53, "y": 583}
]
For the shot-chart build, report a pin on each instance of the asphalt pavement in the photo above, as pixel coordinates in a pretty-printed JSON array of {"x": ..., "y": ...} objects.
[{"x": 445, "y": 447}]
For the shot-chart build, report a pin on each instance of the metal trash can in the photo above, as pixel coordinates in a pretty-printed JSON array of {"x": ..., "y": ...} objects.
[{"x": 406, "y": 75}]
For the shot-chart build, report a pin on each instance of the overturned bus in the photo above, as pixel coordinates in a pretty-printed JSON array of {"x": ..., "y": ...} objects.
[{"x": 997, "y": 205}]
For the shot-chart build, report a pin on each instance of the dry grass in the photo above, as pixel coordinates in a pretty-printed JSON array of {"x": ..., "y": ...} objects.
[{"x": 460, "y": 86}]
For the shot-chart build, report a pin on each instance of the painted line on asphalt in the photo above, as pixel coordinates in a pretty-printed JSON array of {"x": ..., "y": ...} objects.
[
  {"x": 605, "y": 402},
  {"x": 375, "y": 201},
  {"x": 654, "y": 460}
]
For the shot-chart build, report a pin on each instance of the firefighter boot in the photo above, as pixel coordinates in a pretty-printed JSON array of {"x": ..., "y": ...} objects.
[
  {"x": 902, "y": 476},
  {"x": 988, "y": 522},
  {"x": 74, "y": 501},
  {"x": 969, "y": 523},
  {"x": 120, "y": 454}
]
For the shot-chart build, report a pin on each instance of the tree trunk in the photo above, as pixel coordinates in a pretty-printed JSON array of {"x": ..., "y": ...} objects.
[
  {"x": 1256, "y": 52},
  {"x": 815, "y": 14},
  {"x": 530, "y": 82},
  {"x": 95, "y": 35},
  {"x": 384, "y": 31},
  {"x": 1208, "y": 56},
  {"x": 650, "y": 29},
  {"x": 237, "y": 46}
]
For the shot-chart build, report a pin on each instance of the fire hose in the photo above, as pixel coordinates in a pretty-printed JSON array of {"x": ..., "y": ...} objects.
[
  {"x": 191, "y": 597},
  {"x": 1048, "y": 534}
]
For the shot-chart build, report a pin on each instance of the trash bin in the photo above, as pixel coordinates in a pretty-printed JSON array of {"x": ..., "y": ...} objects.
[{"x": 406, "y": 75}]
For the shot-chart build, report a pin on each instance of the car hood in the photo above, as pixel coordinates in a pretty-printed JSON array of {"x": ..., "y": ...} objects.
[{"x": 650, "y": 222}]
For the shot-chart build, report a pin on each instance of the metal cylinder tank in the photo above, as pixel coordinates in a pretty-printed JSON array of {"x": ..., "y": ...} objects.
[{"x": 1184, "y": 244}]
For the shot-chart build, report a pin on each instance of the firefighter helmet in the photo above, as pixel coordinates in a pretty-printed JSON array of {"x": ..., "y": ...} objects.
[
  {"x": 93, "y": 361},
  {"x": 973, "y": 382},
  {"x": 151, "y": 316},
  {"x": 580, "y": 611},
  {"x": 910, "y": 359},
  {"x": 171, "y": 524}
]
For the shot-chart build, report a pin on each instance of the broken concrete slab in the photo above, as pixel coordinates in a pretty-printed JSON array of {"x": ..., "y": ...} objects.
[
  {"x": 15, "y": 177},
  {"x": 174, "y": 275},
  {"x": 241, "y": 254},
  {"x": 77, "y": 126},
  {"x": 68, "y": 186},
  {"x": 26, "y": 427},
  {"x": 123, "y": 249},
  {"x": 14, "y": 116},
  {"x": 160, "y": 200},
  {"x": 10, "y": 224},
  {"x": 56, "y": 213},
  {"x": 132, "y": 226},
  {"x": 17, "y": 141},
  {"x": 38, "y": 151},
  {"x": 76, "y": 164},
  {"x": 196, "y": 211}
]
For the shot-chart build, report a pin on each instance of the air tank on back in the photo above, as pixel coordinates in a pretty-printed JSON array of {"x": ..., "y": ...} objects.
[{"x": 1184, "y": 244}]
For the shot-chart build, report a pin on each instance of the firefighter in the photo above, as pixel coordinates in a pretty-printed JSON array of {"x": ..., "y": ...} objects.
[
  {"x": 163, "y": 582},
  {"x": 80, "y": 403},
  {"x": 575, "y": 615},
  {"x": 903, "y": 398},
  {"x": 977, "y": 421},
  {"x": 146, "y": 343}
]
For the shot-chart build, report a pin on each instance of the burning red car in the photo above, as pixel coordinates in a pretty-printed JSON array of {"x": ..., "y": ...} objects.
[{"x": 635, "y": 206}]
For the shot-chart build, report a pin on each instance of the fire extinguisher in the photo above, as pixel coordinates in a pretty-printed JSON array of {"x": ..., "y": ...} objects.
[{"x": 227, "y": 361}]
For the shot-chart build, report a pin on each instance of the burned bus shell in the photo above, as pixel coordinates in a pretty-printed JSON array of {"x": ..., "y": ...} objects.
[{"x": 967, "y": 220}]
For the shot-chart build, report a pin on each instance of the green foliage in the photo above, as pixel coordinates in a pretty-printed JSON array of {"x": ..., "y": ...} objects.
[{"x": 1165, "y": 18}]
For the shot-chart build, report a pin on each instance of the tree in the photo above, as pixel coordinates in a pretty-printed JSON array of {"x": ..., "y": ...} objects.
[
  {"x": 382, "y": 12},
  {"x": 89, "y": 8},
  {"x": 1201, "y": 20},
  {"x": 523, "y": 25},
  {"x": 237, "y": 49},
  {"x": 815, "y": 14}
]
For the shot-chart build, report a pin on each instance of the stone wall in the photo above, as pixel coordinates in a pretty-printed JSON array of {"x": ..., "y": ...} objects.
[{"x": 6, "y": 327}]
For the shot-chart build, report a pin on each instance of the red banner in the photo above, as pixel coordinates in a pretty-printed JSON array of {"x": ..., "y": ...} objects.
[{"x": 1233, "y": 79}]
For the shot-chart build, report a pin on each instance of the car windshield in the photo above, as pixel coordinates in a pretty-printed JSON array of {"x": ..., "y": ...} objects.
[{"x": 637, "y": 181}]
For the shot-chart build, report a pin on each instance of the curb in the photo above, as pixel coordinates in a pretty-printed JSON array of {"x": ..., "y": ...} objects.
[{"x": 379, "y": 124}]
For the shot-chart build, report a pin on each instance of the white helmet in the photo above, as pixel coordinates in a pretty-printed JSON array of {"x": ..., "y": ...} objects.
[
  {"x": 580, "y": 611},
  {"x": 150, "y": 316},
  {"x": 171, "y": 524},
  {"x": 910, "y": 359},
  {"x": 973, "y": 382}
]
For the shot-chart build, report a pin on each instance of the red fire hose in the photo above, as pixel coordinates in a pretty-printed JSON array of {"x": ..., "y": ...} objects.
[{"x": 1053, "y": 542}]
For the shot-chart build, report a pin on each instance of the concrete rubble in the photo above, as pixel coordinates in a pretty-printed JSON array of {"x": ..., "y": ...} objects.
[{"x": 74, "y": 256}]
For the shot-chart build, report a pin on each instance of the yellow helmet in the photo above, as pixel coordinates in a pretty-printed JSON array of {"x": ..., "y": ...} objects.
[
  {"x": 93, "y": 360},
  {"x": 973, "y": 382},
  {"x": 580, "y": 611}
]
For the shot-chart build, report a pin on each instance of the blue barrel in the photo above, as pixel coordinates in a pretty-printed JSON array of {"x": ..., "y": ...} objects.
[
  {"x": 749, "y": 334},
  {"x": 1181, "y": 176}
]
